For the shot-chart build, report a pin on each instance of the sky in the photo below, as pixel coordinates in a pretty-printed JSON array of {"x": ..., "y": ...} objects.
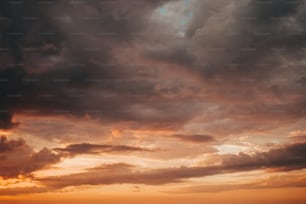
[{"x": 153, "y": 101}]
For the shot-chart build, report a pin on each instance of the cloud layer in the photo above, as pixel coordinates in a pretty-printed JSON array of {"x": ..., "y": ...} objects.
[
  {"x": 169, "y": 85},
  {"x": 288, "y": 158}
]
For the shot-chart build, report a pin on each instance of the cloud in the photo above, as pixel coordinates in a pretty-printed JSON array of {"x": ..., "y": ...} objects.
[
  {"x": 6, "y": 120},
  {"x": 86, "y": 148},
  {"x": 53, "y": 64},
  {"x": 10, "y": 145},
  {"x": 114, "y": 174},
  {"x": 17, "y": 158},
  {"x": 111, "y": 64},
  {"x": 22, "y": 190},
  {"x": 291, "y": 157},
  {"x": 272, "y": 182},
  {"x": 282, "y": 159},
  {"x": 298, "y": 136},
  {"x": 237, "y": 68},
  {"x": 195, "y": 138},
  {"x": 267, "y": 11},
  {"x": 242, "y": 52}
]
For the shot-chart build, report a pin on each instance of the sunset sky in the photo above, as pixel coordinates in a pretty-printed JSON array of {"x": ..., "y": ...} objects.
[{"x": 153, "y": 101}]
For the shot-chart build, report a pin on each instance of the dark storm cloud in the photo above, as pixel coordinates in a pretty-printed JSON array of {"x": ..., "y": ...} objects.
[
  {"x": 17, "y": 158},
  {"x": 265, "y": 11},
  {"x": 195, "y": 138},
  {"x": 6, "y": 120},
  {"x": 232, "y": 40},
  {"x": 262, "y": 27},
  {"x": 179, "y": 55},
  {"x": 286, "y": 158},
  {"x": 86, "y": 148},
  {"x": 58, "y": 59},
  {"x": 250, "y": 58}
]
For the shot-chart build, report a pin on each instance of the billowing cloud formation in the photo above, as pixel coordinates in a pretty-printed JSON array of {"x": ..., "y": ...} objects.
[
  {"x": 60, "y": 63},
  {"x": 54, "y": 63},
  {"x": 282, "y": 159}
]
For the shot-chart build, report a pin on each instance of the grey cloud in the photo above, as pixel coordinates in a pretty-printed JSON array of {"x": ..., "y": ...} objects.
[
  {"x": 265, "y": 11},
  {"x": 248, "y": 56},
  {"x": 6, "y": 121},
  {"x": 60, "y": 59},
  {"x": 75, "y": 68}
]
